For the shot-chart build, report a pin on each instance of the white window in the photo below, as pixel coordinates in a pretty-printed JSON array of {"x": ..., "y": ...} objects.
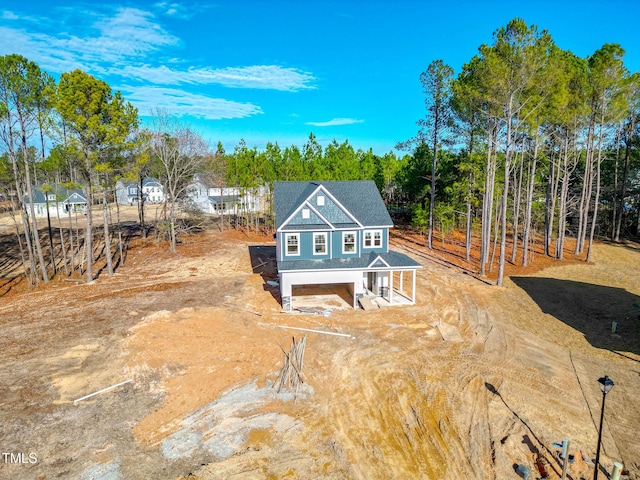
[
  {"x": 320, "y": 200},
  {"x": 319, "y": 243},
  {"x": 306, "y": 214},
  {"x": 293, "y": 244},
  {"x": 372, "y": 238},
  {"x": 349, "y": 242}
]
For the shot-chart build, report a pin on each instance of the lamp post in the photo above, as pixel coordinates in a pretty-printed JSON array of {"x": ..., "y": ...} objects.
[{"x": 606, "y": 384}]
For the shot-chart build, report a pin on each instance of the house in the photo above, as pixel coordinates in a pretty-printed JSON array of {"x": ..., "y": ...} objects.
[
  {"x": 58, "y": 199},
  {"x": 152, "y": 190},
  {"x": 127, "y": 192},
  {"x": 338, "y": 233},
  {"x": 224, "y": 201}
]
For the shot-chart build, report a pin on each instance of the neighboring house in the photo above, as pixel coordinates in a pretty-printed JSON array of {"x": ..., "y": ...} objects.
[
  {"x": 224, "y": 201},
  {"x": 338, "y": 233},
  {"x": 152, "y": 190},
  {"x": 127, "y": 192},
  {"x": 60, "y": 201}
]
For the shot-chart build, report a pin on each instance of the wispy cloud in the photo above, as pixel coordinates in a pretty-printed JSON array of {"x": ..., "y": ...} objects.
[
  {"x": 131, "y": 46},
  {"x": 178, "y": 10},
  {"x": 127, "y": 35},
  {"x": 7, "y": 15},
  {"x": 272, "y": 77},
  {"x": 335, "y": 121},
  {"x": 180, "y": 103}
]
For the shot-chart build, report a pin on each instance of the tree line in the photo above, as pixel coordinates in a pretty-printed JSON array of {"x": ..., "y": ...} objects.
[
  {"x": 527, "y": 138},
  {"x": 94, "y": 138},
  {"x": 529, "y": 135}
]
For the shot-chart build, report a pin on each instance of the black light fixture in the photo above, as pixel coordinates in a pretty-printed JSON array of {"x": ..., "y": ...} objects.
[{"x": 606, "y": 384}]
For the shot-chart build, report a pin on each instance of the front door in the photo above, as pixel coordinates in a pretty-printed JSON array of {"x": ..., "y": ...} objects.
[{"x": 372, "y": 282}]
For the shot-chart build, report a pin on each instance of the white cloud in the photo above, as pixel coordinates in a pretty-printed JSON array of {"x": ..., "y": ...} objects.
[
  {"x": 7, "y": 15},
  {"x": 335, "y": 121},
  {"x": 258, "y": 76},
  {"x": 177, "y": 10},
  {"x": 128, "y": 34},
  {"x": 272, "y": 77},
  {"x": 179, "y": 103}
]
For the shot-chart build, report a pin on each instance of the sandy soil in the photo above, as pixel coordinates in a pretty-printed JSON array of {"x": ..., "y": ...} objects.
[{"x": 466, "y": 383}]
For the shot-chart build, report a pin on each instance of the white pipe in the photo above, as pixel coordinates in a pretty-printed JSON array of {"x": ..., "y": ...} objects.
[
  {"x": 102, "y": 391},
  {"x": 318, "y": 331},
  {"x": 617, "y": 468}
]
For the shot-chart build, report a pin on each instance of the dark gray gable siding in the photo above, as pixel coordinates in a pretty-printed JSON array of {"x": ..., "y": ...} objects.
[
  {"x": 313, "y": 219},
  {"x": 359, "y": 197},
  {"x": 330, "y": 210}
]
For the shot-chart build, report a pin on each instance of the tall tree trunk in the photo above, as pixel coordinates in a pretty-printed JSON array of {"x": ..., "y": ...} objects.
[
  {"x": 496, "y": 230},
  {"x": 52, "y": 252},
  {"x": 432, "y": 193},
  {"x": 503, "y": 222},
  {"x": 487, "y": 201},
  {"x": 614, "y": 210},
  {"x": 564, "y": 193},
  {"x": 505, "y": 193},
  {"x": 107, "y": 237},
  {"x": 88, "y": 237},
  {"x": 625, "y": 176},
  {"x": 516, "y": 205},
  {"x": 529, "y": 202},
  {"x": 23, "y": 210},
  {"x": 469, "y": 221},
  {"x": 25, "y": 269},
  {"x": 585, "y": 198},
  {"x": 555, "y": 166},
  {"x": 597, "y": 199},
  {"x": 64, "y": 251},
  {"x": 71, "y": 251},
  {"x": 141, "y": 199},
  {"x": 34, "y": 221}
]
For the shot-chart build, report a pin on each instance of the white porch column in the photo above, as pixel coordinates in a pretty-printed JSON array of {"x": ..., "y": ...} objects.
[
  {"x": 390, "y": 287},
  {"x": 413, "y": 289},
  {"x": 355, "y": 302}
]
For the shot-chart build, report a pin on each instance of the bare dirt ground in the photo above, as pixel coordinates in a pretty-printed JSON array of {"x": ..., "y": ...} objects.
[{"x": 466, "y": 383}]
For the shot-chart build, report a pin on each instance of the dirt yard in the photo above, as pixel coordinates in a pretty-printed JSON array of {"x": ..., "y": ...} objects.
[{"x": 471, "y": 381}]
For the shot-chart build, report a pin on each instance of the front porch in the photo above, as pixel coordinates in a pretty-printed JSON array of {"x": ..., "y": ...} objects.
[{"x": 390, "y": 287}]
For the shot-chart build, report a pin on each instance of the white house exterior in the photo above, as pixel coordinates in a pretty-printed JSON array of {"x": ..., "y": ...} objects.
[
  {"x": 338, "y": 233},
  {"x": 127, "y": 191},
  {"x": 153, "y": 191},
  {"x": 225, "y": 201},
  {"x": 59, "y": 201}
]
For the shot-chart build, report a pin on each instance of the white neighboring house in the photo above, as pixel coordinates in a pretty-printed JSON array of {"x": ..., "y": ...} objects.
[
  {"x": 152, "y": 190},
  {"x": 60, "y": 201},
  {"x": 127, "y": 192},
  {"x": 225, "y": 201}
]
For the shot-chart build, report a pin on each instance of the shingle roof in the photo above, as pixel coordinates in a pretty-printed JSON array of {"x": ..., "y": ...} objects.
[
  {"x": 60, "y": 191},
  {"x": 360, "y": 197},
  {"x": 393, "y": 259}
]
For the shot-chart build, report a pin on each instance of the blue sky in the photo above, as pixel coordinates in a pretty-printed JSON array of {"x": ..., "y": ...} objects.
[{"x": 278, "y": 70}]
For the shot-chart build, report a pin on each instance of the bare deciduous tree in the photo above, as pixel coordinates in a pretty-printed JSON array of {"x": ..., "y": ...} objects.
[{"x": 180, "y": 154}]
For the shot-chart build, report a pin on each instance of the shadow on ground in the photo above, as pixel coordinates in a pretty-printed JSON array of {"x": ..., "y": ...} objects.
[
  {"x": 590, "y": 309},
  {"x": 263, "y": 262}
]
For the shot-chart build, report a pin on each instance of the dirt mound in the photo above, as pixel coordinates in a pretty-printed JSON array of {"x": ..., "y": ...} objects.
[{"x": 466, "y": 383}]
